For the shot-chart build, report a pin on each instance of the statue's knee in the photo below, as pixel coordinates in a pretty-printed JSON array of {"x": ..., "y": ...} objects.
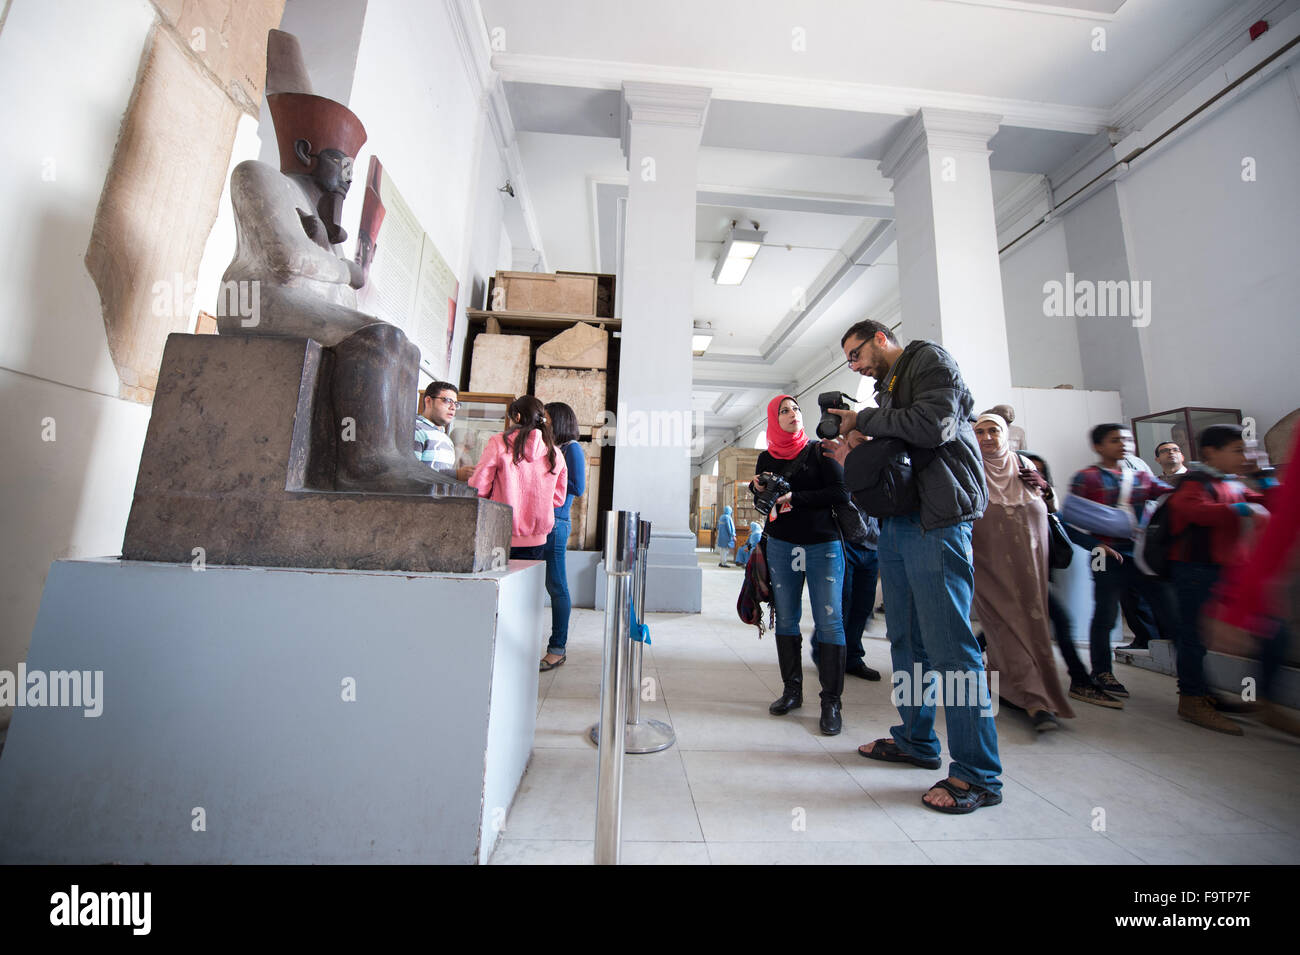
[{"x": 379, "y": 336}]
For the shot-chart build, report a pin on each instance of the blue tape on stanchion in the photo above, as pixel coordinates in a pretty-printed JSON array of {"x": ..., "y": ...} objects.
[{"x": 640, "y": 632}]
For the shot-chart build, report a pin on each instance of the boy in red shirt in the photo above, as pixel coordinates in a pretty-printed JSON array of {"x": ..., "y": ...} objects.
[{"x": 1211, "y": 514}]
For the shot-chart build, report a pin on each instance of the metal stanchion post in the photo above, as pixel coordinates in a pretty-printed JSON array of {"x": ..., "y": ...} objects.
[
  {"x": 643, "y": 736},
  {"x": 620, "y": 559}
]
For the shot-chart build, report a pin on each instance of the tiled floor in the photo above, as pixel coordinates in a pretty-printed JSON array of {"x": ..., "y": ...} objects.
[{"x": 741, "y": 786}]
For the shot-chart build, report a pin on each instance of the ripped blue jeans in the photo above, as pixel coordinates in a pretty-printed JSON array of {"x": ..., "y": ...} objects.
[{"x": 823, "y": 567}]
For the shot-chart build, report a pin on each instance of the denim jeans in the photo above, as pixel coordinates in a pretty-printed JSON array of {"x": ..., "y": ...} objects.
[
  {"x": 929, "y": 582},
  {"x": 528, "y": 553},
  {"x": 557, "y": 585},
  {"x": 1110, "y": 586},
  {"x": 1193, "y": 583},
  {"x": 861, "y": 568},
  {"x": 823, "y": 566}
]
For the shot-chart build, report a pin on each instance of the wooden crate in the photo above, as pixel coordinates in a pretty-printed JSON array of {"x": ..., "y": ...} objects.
[{"x": 545, "y": 292}]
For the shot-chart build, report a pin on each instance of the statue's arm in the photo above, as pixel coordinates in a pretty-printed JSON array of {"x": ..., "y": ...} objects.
[{"x": 272, "y": 230}]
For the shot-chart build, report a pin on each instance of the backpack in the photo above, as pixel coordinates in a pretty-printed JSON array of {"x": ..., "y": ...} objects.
[
  {"x": 756, "y": 590},
  {"x": 1154, "y": 539},
  {"x": 881, "y": 474}
]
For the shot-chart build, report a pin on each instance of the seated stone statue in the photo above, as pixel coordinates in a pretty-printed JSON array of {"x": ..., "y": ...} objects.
[{"x": 287, "y": 224}]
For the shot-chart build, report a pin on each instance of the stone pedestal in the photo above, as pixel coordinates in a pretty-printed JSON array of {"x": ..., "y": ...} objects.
[
  {"x": 252, "y": 715},
  {"x": 237, "y": 461}
]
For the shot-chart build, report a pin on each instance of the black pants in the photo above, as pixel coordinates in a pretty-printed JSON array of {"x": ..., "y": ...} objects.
[
  {"x": 1063, "y": 631},
  {"x": 1111, "y": 585}
]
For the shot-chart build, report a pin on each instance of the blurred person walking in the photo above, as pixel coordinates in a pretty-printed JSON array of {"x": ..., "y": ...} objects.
[
  {"x": 1081, "y": 685},
  {"x": 1211, "y": 514}
]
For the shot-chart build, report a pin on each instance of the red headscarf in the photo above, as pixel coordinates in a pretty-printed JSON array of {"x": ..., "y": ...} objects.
[{"x": 781, "y": 443}]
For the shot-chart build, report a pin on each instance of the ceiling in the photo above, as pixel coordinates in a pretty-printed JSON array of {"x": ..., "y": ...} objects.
[{"x": 806, "y": 97}]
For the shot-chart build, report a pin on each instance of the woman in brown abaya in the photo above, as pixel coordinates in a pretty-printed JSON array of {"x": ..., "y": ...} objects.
[{"x": 1011, "y": 577}]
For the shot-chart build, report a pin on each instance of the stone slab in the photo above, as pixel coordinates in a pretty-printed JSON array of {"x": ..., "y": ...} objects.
[
  {"x": 499, "y": 364},
  {"x": 234, "y": 463},
  {"x": 153, "y": 220},
  {"x": 232, "y": 47},
  {"x": 581, "y": 390},
  {"x": 582, "y": 346},
  {"x": 224, "y": 691}
]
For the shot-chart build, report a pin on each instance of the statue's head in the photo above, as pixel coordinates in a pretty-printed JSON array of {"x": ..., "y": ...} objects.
[
  {"x": 330, "y": 168},
  {"x": 317, "y": 137}
]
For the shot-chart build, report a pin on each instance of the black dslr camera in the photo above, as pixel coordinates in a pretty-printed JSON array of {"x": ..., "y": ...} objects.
[
  {"x": 829, "y": 426},
  {"x": 767, "y": 488}
]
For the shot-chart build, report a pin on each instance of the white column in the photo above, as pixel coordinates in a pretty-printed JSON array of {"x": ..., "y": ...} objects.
[
  {"x": 652, "y": 467},
  {"x": 950, "y": 281}
]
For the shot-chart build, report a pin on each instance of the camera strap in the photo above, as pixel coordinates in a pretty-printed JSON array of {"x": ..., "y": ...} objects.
[
  {"x": 798, "y": 460},
  {"x": 786, "y": 474}
]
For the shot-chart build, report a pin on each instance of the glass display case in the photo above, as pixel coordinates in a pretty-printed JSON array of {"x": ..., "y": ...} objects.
[
  {"x": 1183, "y": 426},
  {"x": 479, "y": 417}
]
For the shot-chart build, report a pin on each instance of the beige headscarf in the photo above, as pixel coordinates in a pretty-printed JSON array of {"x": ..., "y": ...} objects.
[{"x": 1002, "y": 470}]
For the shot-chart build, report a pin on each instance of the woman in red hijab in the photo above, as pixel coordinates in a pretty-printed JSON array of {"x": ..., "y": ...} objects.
[{"x": 803, "y": 540}]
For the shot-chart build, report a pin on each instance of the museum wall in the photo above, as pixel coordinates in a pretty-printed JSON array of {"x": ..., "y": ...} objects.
[
  {"x": 1044, "y": 351},
  {"x": 70, "y": 74},
  {"x": 1221, "y": 254}
]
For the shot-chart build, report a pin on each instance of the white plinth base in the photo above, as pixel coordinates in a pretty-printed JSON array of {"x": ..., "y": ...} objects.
[
  {"x": 674, "y": 582},
  {"x": 224, "y": 691}
]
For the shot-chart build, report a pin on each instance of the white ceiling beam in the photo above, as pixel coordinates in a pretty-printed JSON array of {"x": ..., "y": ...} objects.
[
  {"x": 794, "y": 91},
  {"x": 861, "y": 252}
]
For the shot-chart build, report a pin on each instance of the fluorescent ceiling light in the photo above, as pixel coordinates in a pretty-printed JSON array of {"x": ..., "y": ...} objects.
[
  {"x": 700, "y": 341},
  {"x": 737, "y": 256}
]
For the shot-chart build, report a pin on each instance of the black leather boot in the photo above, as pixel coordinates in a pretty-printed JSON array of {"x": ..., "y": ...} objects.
[
  {"x": 830, "y": 668},
  {"x": 789, "y": 654}
]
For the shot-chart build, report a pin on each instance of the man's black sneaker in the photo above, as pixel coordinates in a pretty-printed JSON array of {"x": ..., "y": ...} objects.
[
  {"x": 1108, "y": 683},
  {"x": 1088, "y": 693}
]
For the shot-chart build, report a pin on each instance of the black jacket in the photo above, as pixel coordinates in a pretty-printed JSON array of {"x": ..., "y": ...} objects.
[
  {"x": 815, "y": 486},
  {"x": 923, "y": 401}
]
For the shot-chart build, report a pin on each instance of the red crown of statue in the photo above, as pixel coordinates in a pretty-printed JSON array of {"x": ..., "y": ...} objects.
[{"x": 324, "y": 123}]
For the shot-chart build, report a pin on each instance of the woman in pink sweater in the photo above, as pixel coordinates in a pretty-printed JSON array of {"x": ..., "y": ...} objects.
[{"x": 522, "y": 468}]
